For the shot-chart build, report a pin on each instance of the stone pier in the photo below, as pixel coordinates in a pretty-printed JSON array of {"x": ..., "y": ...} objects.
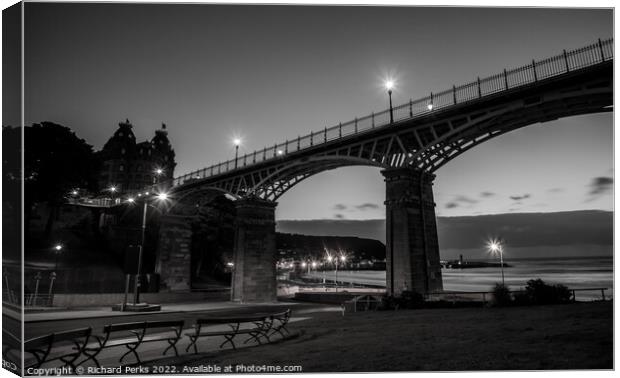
[
  {"x": 254, "y": 271},
  {"x": 412, "y": 249},
  {"x": 174, "y": 256}
]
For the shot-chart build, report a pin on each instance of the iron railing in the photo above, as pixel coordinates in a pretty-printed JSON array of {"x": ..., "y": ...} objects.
[{"x": 568, "y": 61}]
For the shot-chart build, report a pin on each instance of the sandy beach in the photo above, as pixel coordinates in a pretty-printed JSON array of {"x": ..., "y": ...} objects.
[{"x": 572, "y": 336}]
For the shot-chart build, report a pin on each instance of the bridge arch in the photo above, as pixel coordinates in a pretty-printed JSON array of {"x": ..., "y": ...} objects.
[{"x": 410, "y": 147}]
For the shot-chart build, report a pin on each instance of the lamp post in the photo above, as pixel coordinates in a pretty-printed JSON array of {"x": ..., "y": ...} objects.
[
  {"x": 136, "y": 289},
  {"x": 236, "y": 142},
  {"x": 329, "y": 260},
  {"x": 389, "y": 85},
  {"x": 158, "y": 173},
  {"x": 496, "y": 246},
  {"x": 112, "y": 191}
]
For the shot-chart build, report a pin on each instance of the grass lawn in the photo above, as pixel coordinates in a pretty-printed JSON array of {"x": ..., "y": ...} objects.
[{"x": 572, "y": 336}]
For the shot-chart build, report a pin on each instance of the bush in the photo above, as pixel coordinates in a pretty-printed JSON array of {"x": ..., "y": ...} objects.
[
  {"x": 388, "y": 302},
  {"x": 501, "y": 295},
  {"x": 410, "y": 299},
  {"x": 407, "y": 299},
  {"x": 538, "y": 292}
]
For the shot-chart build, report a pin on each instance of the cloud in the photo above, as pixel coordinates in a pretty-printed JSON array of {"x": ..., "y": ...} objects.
[
  {"x": 367, "y": 206},
  {"x": 340, "y": 207},
  {"x": 487, "y": 194},
  {"x": 600, "y": 185},
  {"x": 519, "y": 198},
  {"x": 459, "y": 200},
  {"x": 338, "y": 216},
  {"x": 464, "y": 199}
]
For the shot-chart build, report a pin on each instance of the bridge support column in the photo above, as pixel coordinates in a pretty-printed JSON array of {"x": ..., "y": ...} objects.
[
  {"x": 412, "y": 248},
  {"x": 254, "y": 274},
  {"x": 174, "y": 254}
]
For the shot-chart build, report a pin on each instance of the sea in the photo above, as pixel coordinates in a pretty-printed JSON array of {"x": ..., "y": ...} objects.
[{"x": 579, "y": 273}]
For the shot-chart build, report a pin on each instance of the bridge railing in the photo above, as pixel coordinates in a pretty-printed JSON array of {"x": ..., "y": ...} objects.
[{"x": 508, "y": 79}]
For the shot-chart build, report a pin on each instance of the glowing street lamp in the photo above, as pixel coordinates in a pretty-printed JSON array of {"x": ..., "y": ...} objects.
[
  {"x": 237, "y": 143},
  {"x": 389, "y": 84},
  {"x": 160, "y": 197},
  {"x": 57, "y": 251},
  {"x": 494, "y": 247}
]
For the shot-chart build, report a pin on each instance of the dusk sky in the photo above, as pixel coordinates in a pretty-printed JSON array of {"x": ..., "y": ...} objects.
[{"x": 271, "y": 73}]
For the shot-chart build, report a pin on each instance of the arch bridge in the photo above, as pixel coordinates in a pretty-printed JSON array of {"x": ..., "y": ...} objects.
[{"x": 409, "y": 142}]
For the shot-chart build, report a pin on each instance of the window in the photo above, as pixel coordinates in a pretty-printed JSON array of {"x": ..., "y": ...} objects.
[
  {"x": 120, "y": 134},
  {"x": 122, "y": 151},
  {"x": 121, "y": 168}
]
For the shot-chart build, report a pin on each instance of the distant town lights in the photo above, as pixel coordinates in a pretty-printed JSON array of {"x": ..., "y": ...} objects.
[
  {"x": 430, "y": 106},
  {"x": 280, "y": 152},
  {"x": 113, "y": 189},
  {"x": 159, "y": 171},
  {"x": 58, "y": 247},
  {"x": 162, "y": 196},
  {"x": 131, "y": 200}
]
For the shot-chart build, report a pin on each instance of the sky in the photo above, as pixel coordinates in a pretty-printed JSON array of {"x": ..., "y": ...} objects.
[{"x": 271, "y": 73}]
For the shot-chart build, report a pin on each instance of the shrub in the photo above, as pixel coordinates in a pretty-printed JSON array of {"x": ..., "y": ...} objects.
[
  {"x": 538, "y": 292},
  {"x": 407, "y": 299},
  {"x": 501, "y": 295},
  {"x": 521, "y": 298},
  {"x": 388, "y": 302},
  {"x": 411, "y": 299}
]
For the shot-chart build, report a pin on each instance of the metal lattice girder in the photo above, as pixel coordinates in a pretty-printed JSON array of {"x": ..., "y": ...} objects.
[{"x": 426, "y": 142}]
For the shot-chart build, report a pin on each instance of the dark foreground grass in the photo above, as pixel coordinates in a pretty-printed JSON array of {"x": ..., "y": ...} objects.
[{"x": 571, "y": 336}]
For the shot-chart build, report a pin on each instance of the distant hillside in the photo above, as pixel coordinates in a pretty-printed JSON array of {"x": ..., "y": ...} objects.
[
  {"x": 570, "y": 233},
  {"x": 314, "y": 246}
]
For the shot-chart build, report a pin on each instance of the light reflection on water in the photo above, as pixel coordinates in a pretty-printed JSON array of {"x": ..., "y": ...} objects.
[{"x": 576, "y": 273}]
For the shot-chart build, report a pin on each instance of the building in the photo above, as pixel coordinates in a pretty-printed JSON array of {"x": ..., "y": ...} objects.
[{"x": 129, "y": 166}]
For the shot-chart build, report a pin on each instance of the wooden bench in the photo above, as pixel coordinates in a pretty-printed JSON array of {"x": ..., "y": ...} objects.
[
  {"x": 253, "y": 326},
  {"x": 133, "y": 335},
  {"x": 52, "y": 347},
  {"x": 279, "y": 321}
]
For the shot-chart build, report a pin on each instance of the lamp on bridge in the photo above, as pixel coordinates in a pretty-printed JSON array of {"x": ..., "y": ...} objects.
[
  {"x": 389, "y": 85},
  {"x": 237, "y": 143}
]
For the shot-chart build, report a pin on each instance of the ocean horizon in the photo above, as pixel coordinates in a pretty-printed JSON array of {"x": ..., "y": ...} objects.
[{"x": 577, "y": 273}]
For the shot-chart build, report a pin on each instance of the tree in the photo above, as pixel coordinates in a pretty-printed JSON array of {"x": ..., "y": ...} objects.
[{"x": 56, "y": 162}]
